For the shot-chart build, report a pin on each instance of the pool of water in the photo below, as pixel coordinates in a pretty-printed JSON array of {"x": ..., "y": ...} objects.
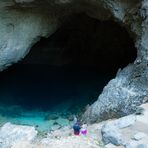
[{"x": 45, "y": 96}]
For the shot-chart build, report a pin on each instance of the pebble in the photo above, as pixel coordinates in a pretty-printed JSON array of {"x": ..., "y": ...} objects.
[{"x": 138, "y": 136}]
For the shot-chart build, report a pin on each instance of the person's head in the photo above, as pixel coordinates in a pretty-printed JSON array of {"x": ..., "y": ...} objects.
[{"x": 84, "y": 126}]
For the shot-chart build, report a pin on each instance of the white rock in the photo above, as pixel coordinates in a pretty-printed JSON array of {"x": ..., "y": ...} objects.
[
  {"x": 138, "y": 136},
  {"x": 11, "y": 134}
]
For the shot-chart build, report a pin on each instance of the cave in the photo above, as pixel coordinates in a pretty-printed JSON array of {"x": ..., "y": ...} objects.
[{"x": 66, "y": 71}]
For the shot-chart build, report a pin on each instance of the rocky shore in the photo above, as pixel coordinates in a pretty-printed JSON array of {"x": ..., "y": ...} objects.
[{"x": 127, "y": 132}]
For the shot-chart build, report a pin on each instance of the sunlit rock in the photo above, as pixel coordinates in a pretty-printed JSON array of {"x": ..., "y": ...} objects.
[{"x": 11, "y": 134}]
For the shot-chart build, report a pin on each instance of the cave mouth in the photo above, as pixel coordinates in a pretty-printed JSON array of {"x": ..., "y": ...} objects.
[{"x": 65, "y": 72}]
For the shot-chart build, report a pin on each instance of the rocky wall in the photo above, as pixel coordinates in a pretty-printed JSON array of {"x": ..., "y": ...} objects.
[{"x": 23, "y": 22}]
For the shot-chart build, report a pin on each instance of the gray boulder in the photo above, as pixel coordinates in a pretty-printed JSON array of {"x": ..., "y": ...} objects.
[
  {"x": 111, "y": 130},
  {"x": 111, "y": 134}
]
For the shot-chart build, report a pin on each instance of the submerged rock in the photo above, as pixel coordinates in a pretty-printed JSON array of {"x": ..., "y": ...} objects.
[
  {"x": 63, "y": 122},
  {"x": 55, "y": 127},
  {"x": 52, "y": 116}
]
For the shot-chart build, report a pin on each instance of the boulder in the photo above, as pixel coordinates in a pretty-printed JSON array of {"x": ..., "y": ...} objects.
[
  {"x": 11, "y": 134},
  {"x": 111, "y": 134},
  {"x": 111, "y": 131}
]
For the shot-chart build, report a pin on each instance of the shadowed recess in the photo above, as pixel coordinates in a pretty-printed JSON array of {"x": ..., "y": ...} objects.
[{"x": 65, "y": 72}]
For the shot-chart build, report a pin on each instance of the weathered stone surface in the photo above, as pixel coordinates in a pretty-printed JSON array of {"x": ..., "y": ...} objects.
[
  {"x": 122, "y": 95},
  {"x": 111, "y": 134},
  {"x": 138, "y": 136},
  {"x": 20, "y": 29},
  {"x": 127, "y": 90},
  {"x": 125, "y": 121},
  {"x": 11, "y": 134},
  {"x": 111, "y": 130}
]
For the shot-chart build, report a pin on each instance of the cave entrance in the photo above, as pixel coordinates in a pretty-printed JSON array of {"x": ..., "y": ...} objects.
[{"x": 65, "y": 72}]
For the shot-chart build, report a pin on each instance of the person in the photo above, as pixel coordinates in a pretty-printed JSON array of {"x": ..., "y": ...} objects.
[
  {"x": 76, "y": 128},
  {"x": 83, "y": 130}
]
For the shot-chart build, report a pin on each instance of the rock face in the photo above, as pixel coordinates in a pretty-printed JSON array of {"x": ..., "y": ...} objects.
[
  {"x": 122, "y": 95},
  {"x": 23, "y": 22}
]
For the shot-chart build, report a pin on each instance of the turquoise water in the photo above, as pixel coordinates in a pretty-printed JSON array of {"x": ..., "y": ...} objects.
[{"x": 44, "y": 96}]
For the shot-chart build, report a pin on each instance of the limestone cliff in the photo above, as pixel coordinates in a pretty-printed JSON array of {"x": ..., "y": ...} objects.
[{"x": 23, "y": 22}]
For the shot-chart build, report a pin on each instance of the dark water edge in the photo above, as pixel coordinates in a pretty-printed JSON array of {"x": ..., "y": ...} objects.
[{"x": 29, "y": 94}]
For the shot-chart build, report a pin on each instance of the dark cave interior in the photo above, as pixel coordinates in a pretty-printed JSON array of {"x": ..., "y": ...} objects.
[
  {"x": 87, "y": 42},
  {"x": 71, "y": 66}
]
